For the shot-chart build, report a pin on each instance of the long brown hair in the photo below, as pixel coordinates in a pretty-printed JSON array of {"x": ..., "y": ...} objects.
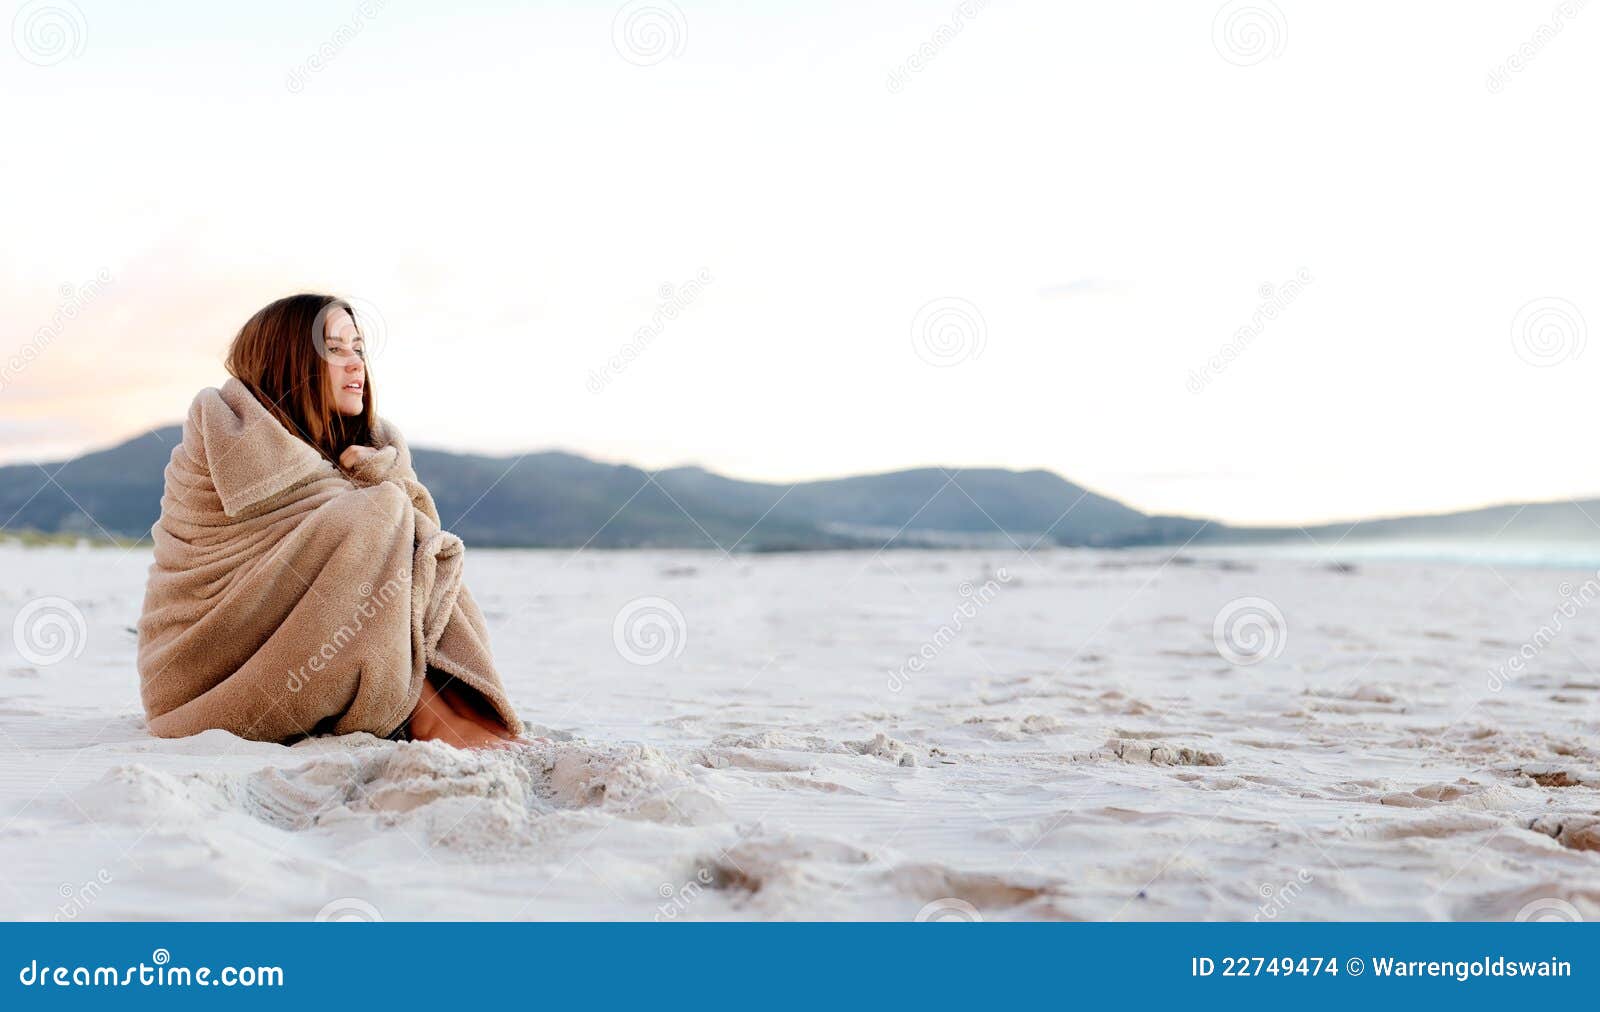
[{"x": 279, "y": 355}]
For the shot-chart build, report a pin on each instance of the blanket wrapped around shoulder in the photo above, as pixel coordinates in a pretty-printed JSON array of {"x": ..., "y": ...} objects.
[{"x": 288, "y": 598}]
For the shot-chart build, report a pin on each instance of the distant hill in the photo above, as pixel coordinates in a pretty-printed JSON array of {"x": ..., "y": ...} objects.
[
  {"x": 947, "y": 506},
  {"x": 1570, "y": 520},
  {"x": 115, "y": 491},
  {"x": 562, "y": 500}
]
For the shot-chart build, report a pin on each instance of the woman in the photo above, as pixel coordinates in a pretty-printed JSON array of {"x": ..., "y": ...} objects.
[{"x": 301, "y": 582}]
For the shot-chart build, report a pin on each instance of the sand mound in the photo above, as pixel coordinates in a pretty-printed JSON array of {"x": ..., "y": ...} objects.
[
  {"x": 984, "y": 890},
  {"x": 746, "y": 759},
  {"x": 469, "y": 801},
  {"x": 779, "y": 740},
  {"x": 1436, "y": 824},
  {"x": 1015, "y": 728},
  {"x": 1557, "y": 775},
  {"x": 1577, "y": 832},
  {"x": 634, "y": 780},
  {"x": 1462, "y": 794},
  {"x": 1161, "y": 754},
  {"x": 881, "y": 746}
]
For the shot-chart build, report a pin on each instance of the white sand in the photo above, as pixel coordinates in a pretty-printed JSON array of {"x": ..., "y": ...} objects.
[{"x": 1079, "y": 749}]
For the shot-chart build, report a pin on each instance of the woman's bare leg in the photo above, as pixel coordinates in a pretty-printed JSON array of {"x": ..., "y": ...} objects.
[
  {"x": 469, "y": 703},
  {"x": 447, "y": 714}
]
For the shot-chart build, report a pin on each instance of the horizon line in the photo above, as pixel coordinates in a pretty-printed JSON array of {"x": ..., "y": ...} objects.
[{"x": 1286, "y": 525}]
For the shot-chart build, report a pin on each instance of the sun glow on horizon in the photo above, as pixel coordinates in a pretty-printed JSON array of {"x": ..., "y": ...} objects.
[{"x": 1286, "y": 292}]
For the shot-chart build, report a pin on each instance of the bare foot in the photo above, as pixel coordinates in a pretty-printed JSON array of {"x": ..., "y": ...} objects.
[{"x": 448, "y": 716}]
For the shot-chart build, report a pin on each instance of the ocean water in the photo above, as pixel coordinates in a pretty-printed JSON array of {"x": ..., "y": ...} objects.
[{"x": 1552, "y": 554}]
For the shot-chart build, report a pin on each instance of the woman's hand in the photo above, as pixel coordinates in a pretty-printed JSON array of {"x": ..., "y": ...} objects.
[{"x": 354, "y": 456}]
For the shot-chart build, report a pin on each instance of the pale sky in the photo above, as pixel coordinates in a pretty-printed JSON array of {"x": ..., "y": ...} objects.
[{"x": 1090, "y": 195}]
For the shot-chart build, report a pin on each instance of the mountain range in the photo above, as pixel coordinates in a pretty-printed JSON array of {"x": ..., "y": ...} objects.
[{"x": 562, "y": 500}]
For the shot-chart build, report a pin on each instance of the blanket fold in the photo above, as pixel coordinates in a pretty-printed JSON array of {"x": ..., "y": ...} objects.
[{"x": 287, "y": 598}]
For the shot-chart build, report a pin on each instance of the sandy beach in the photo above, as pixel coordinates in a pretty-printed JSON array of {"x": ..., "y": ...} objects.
[{"x": 1064, "y": 734}]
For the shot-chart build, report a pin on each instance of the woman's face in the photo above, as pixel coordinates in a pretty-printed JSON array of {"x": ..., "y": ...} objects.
[{"x": 347, "y": 364}]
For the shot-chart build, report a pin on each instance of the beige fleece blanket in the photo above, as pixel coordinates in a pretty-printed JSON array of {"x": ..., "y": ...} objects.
[{"x": 287, "y": 599}]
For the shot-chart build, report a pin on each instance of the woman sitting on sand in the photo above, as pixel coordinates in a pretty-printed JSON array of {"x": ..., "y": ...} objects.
[{"x": 302, "y": 583}]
